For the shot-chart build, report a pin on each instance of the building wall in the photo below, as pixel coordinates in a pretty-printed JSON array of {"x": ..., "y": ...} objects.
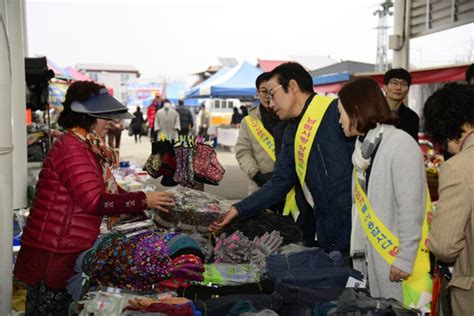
[{"x": 115, "y": 80}]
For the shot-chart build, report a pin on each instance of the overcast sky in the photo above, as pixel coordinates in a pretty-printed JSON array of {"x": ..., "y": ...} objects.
[{"x": 174, "y": 38}]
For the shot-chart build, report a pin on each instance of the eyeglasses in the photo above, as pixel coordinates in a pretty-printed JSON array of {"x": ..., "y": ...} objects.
[
  {"x": 401, "y": 83},
  {"x": 271, "y": 92},
  {"x": 263, "y": 92}
]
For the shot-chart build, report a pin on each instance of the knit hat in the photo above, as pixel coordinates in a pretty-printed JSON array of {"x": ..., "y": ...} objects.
[
  {"x": 398, "y": 73},
  {"x": 184, "y": 244}
]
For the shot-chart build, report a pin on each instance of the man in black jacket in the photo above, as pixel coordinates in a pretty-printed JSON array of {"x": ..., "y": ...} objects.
[
  {"x": 185, "y": 118},
  {"x": 396, "y": 85},
  {"x": 470, "y": 74}
]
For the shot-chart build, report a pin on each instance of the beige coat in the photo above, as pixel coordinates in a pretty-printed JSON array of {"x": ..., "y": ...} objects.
[
  {"x": 167, "y": 122},
  {"x": 452, "y": 231},
  {"x": 251, "y": 156}
]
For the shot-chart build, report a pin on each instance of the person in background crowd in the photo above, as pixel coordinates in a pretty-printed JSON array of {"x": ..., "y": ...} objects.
[
  {"x": 236, "y": 118},
  {"x": 256, "y": 158},
  {"x": 244, "y": 111},
  {"x": 137, "y": 125},
  {"x": 470, "y": 80},
  {"x": 204, "y": 121},
  {"x": 390, "y": 173},
  {"x": 76, "y": 188},
  {"x": 115, "y": 133},
  {"x": 185, "y": 117},
  {"x": 327, "y": 188},
  {"x": 167, "y": 121},
  {"x": 449, "y": 119},
  {"x": 397, "y": 84},
  {"x": 150, "y": 114},
  {"x": 470, "y": 74}
]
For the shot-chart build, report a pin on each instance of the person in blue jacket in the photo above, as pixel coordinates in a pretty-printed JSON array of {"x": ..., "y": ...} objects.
[{"x": 328, "y": 171}]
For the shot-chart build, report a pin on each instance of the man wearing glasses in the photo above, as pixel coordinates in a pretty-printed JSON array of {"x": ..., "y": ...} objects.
[
  {"x": 396, "y": 86},
  {"x": 255, "y": 147},
  {"x": 315, "y": 158}
]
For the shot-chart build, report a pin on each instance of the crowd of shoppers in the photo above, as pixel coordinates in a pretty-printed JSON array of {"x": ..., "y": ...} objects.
[{"x": 348, "y": 170}]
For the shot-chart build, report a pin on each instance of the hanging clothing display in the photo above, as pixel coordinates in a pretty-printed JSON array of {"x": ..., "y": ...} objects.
[{"x": 185, "y": 161}]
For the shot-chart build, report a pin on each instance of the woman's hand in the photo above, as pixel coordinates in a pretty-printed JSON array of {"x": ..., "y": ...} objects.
[
  {"x": 226, "y": 219},
  {"x": 162, "y": 201},
  {"x": 398, "y": 275}
]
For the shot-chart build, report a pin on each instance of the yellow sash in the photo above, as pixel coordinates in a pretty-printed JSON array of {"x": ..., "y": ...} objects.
[
  {"x": 265, "y": 139},
  {"x": 418, "y": 287},
  {"x": 304, "y": 137}
]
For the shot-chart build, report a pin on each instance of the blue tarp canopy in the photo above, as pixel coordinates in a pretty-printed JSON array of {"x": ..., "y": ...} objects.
[
  {"x": 198, "y": 90},
  {"x": 238, "y": 82},
  {"x": 173, "y": 90},
  {"x": 331, "y": 78}
]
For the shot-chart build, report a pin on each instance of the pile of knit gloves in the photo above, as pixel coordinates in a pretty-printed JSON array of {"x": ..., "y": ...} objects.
[
  {"x": 237, "y": 248},
  {"x": 184, "y": 270}
]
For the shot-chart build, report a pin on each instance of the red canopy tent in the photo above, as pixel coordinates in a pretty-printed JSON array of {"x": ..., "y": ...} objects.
[
  {"x": 269, "y": 65},
  {"x": 329, "y": 88},
  {"x": 76, "y": 75}
]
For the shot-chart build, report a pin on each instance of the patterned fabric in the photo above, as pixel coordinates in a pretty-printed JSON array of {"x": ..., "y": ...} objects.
[
  {"x": 184, "y": 173},
  {"x": 184, "y": 270},
  {"x": 181, "y": 165},
  {"x": 175, "y": 283},
  {"x": 44, "y": 301},
  {"x": 206, "y": 166},
  {"x": 193, "y": 211},
  {"x": 167, "y": 237},
  {"x": 232, "y": 249},
  {"x": 107, "y": 156},
  {"x": 188, "y": 266},
  {"x": 137, "y": 263},
  {"x": 153, "y": 164}
]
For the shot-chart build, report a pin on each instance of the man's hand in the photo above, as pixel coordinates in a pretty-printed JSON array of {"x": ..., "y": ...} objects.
[
  {"x": 226, "y": 219},
  {"x": 162, "y": 201},
  {"x": 398, "y": 275}
]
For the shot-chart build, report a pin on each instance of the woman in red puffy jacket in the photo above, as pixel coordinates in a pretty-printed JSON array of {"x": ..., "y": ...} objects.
[{"x": 76, "y": 188}]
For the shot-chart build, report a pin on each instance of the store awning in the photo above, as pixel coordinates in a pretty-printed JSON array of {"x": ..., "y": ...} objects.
[
  {"x": 329, "y": 88},
  {"x": 430, "y": 75}
]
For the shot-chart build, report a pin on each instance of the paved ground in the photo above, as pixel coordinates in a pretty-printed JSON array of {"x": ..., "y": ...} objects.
[{"x": 234, "y": 185}]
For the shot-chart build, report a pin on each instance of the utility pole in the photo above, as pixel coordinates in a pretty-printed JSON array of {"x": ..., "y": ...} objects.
[
  {"x": 383, "y": 12},
  {"x": 399, "y": 41}
]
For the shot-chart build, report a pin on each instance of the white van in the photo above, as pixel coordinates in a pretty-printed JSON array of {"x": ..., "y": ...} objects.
[{"x": 221, "y": 111}]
